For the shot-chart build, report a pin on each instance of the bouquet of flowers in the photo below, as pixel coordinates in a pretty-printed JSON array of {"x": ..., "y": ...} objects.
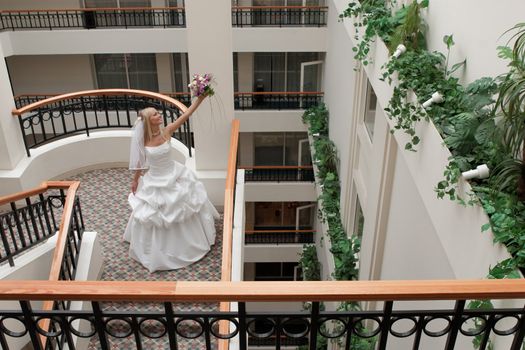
[{"x": 201, "y": 85}]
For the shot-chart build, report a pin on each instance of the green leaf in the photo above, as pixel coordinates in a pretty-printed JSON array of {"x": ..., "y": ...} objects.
[
  {"x": 449, "y": 41},
  {"x": 485, "y": 227}
]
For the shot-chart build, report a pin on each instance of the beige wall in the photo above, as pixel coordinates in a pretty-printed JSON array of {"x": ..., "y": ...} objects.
[
  {"x": 32, "y": 4},
  {"x": 50, "y": 74}
]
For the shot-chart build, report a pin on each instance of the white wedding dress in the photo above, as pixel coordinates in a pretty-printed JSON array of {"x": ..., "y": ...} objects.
[{"x": 172, "y": 223}]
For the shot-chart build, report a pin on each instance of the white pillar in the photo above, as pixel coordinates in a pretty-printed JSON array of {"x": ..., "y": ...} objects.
[
  {"x": 11, "y": 142},
  {"x": 209, "y": 33}
]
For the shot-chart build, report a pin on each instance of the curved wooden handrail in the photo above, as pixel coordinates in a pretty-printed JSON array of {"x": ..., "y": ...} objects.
[
  {"x": 100, "y": 92},
  {"x": 91, "y": 9},
  {"x": 279, "y": 7},
  {"x": 37, "y": 190},
  {"x": 263, "y": 291},
  {"x": 283, "y": 167}
]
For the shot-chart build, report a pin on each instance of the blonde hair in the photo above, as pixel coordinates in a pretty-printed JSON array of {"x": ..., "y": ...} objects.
[{"x": 145, "y": 114}]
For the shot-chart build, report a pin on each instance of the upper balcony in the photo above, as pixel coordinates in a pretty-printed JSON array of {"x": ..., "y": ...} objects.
[
  {"x": 253, "y": 28},
  {"x": 152, "y": 17}
]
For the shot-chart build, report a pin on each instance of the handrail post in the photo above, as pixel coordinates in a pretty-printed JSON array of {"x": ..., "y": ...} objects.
[
  {"x": 314, "y": 317},
  {"x": 455, "y": 325},
  {"x": 30, "y": 325}
]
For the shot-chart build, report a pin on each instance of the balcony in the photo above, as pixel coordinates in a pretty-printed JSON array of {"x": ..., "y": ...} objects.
[
  {"x": 93, "y": 18},
  {"x": 242, "y": 100},
  {"x": 279, "y": 16},
  {"x": 284, "y": 173}
]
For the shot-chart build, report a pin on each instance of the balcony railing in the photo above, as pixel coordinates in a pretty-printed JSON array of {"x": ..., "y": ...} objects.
[
  {"x": 394, "y": 320},
  {"x": 278, "y": 173},
  {"x": 23, "y": 227},
  {"x": 91, "y": 18},
  {"x": 242, "y": 100},
  {"x": 279, "y": 16},
  {"x": 279, "y": 236},
  {"x": 277, "y": 100},
  {"x": 55, "y": 117}
]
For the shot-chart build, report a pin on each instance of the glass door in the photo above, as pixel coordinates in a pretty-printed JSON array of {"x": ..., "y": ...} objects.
[{"x": 310, "y": 80}]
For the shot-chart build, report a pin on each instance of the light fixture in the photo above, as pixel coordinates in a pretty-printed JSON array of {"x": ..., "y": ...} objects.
[
  {"x": 316, "y": 134},
  {"x": 436, "y": 98},
  {"x": 481, "y": 172},
  {"x": 400, "y": 49}
]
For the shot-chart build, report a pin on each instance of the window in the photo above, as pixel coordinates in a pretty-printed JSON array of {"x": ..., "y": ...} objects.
[
  {"x": 127, "y": 71},
  {"x": 181, "y": 72},
  {"x": 235, "y": 72},
  {"x": 275, "y": 271},
  {"x": 112, "y": 18},
  {"x": 283, "y": 215},
  {"x": 370, "y": 109},
  {"x": 359, "y": 220},
  {"x": 269, "y": 71},
  {"x": 281, "y": 148},
  {"x": 279, "y": 71}
]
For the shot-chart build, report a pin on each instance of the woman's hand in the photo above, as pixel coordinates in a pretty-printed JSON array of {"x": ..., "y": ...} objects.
[{"x": 134, "y": 185}]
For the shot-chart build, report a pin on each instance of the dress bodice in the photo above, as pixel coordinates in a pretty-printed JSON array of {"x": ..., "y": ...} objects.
[{"x": 159, "y": 159}]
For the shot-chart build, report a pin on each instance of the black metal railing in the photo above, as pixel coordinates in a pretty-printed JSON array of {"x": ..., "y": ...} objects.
[
  {"x": 73, "y": 242},
  {"x": 23, "y": 227},
  {"x": 285, "y": 173},
  {"x": 92, "y": 18},
  {"x": 279, "y": 16},
  {"x": 242, "y": 100},
  {"x": 279, "y": 236},
  {"x": 85, "y": 113},
  {"x": 276, "y": 100},
  {"x": 166, "y": 325}
]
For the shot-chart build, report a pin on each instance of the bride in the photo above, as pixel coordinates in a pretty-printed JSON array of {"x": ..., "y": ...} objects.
[{"x": 172, "y": 223}]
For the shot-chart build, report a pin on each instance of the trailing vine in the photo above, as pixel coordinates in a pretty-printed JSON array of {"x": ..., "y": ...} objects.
[{"x": 345, "y": 250}]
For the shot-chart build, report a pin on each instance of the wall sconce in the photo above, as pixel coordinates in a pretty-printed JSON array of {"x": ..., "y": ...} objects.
[
  {"x": 436, "y": 98},
  {"x": 481, "y": 172},
  {"x": 400, "y": 49}
]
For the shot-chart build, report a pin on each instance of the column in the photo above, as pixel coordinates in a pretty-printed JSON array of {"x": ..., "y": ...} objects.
[
  {"x": 210, "y": 51},
  {"x": 11, "y": 142}
]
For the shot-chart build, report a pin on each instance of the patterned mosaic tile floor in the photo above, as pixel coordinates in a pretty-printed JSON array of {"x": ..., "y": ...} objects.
[{"x": 103, "y": 196}]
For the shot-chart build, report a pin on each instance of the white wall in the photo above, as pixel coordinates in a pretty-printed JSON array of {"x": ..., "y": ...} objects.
[
  {"x": 455, "y": 246},
  {"x": 82, "y": 41},
  {"x": 30, "y": 4},
  {"x": 50, "y": 74},
  {"x": 266, "y": 121},
  {"x": 477, "y": 26},
  {"x": 279, "y": 39},
  {"x": 280, "y": 192}
]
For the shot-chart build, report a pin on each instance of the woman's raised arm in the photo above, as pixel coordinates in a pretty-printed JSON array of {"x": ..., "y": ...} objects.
[{"x": 172, "y": 127}]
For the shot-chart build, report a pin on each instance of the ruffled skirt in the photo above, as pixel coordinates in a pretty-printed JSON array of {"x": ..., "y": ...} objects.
[{"x": 172, "y": 223}]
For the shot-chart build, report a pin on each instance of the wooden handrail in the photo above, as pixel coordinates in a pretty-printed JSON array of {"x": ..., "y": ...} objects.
[
  {"x": 284, "y": 167},
  {"x": 65, "y": 221},
  {"x": 229, "y": 194},
  {"x": 227, "y": 232},
  {"x": 205, "y": 291},
  {"x": 278, "y": 7},
  {"x": 100, "y": 92},
  {"x": 34, "y": 191},
  {"x": 91, "y": 9}
]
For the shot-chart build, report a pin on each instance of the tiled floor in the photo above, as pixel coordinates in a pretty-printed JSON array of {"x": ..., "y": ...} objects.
[{"x": 103, "y": 196}]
